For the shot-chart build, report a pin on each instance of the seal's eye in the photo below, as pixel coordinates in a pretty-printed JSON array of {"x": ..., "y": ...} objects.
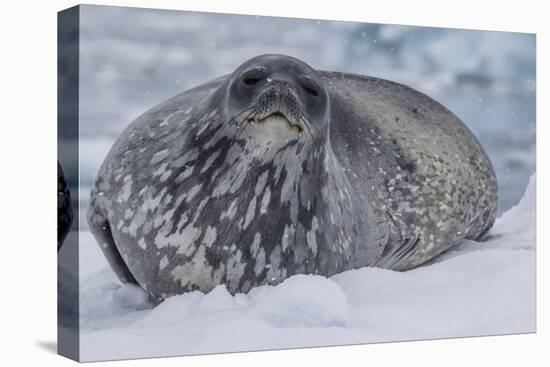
[
  {"x": 310, "y": 86},
  {"x": 253, "y": 76}
]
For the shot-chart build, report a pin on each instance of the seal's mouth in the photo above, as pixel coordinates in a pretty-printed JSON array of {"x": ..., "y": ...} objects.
[{"x": 275, "y": 117}]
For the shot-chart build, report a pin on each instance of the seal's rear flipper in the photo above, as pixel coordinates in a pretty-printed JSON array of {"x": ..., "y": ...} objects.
[{"x": 103, "y": 235}]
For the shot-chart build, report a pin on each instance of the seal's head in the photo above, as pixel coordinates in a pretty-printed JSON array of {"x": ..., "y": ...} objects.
[{"x": 278, "y": 98}]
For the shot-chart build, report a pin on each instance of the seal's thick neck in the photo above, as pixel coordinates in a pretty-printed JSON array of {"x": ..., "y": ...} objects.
[
  {"x": 286, "y": 204},
  {"x": 296, "y": 169}
]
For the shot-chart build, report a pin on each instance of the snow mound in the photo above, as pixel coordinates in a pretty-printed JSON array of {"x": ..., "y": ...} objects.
[
  {"x": 517, "y": 227},
  {"x": 301, "y": 301},
  {"x": 478, "y": 288}
]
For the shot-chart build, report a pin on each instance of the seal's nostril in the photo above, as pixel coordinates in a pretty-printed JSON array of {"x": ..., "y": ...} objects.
[
  {"x": 312, "y": 91},
  {"x": 251, "y": 81}
]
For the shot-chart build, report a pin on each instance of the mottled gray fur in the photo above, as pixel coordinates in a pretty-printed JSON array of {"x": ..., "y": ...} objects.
[{"x": 197, "y": 192}]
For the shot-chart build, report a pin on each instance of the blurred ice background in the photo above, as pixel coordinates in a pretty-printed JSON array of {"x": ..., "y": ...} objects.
[{"x": 133, "y": 59}]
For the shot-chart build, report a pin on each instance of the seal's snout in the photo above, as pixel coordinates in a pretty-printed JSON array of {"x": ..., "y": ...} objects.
[
  {"x": 281, "y": 97},
  {"x": 278, "y": 103}
]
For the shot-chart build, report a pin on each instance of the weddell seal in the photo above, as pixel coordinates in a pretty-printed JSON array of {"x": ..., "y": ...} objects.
[{"x": 280, "y": 169}]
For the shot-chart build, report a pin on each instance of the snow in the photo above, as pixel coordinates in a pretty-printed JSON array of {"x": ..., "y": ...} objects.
[{"x": 476, "y": 289}]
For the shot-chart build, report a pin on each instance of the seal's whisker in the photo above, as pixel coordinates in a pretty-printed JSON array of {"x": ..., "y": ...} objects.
[
  {"x": 306, "y": 126},
  {"x": 243, "y": 123},
  {"x": 307, "y": 122},
  {"x": 235, "y": 118}
]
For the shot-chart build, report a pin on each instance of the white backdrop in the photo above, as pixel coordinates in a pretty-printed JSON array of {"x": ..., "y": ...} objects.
[{"x": 28, "y": 151}]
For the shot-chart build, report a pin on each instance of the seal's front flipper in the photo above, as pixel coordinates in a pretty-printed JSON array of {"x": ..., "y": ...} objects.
[
  {"x": 103, "y": 235},
  {"x": 396, "y": 256}
]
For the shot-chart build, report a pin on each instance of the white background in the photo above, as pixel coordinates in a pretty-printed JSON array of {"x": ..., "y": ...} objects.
[{"x": 28, "y": 155}]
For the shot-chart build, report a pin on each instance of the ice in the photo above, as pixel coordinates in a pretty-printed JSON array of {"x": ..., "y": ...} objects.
[{"x": 478, "y": 288}]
